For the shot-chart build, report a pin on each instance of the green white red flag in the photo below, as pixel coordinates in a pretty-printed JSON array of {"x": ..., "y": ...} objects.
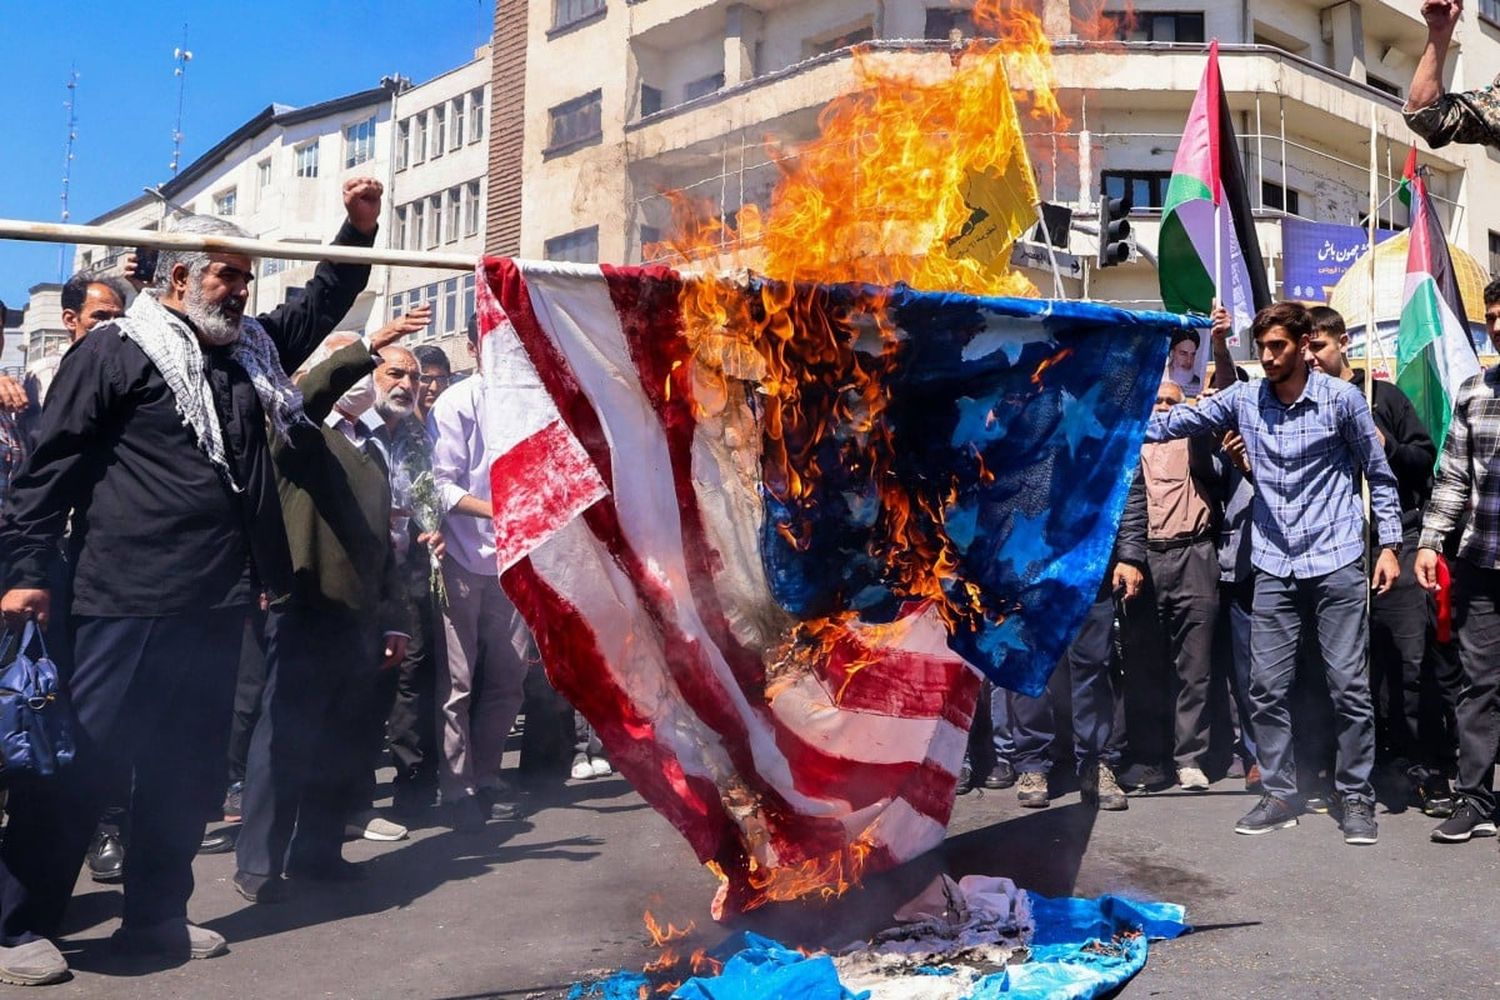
[
  {"x": 1208, "y": 247},
  {"x": 1434, "y": 353}
]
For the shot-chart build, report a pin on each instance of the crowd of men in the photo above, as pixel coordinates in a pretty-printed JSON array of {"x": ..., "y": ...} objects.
[
  {"x": 261, "y": 554},
  {"x": 1253, "y": 621}
]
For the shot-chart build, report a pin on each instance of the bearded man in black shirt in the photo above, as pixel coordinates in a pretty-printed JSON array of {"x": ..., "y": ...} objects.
[{"x": 154, "y": 447}]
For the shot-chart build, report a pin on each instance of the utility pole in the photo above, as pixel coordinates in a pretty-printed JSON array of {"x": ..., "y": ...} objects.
[
  {"x": 67, "y": 176},
  {"x": 182, "y": 57}
]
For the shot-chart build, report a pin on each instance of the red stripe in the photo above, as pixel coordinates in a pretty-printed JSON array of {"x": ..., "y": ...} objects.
[
  {"x": 1215, "y": 139},
  {"x": 900, "y": 683},
  {"x": 577, "y": 668},
  {"x": 546, "y": 480}
]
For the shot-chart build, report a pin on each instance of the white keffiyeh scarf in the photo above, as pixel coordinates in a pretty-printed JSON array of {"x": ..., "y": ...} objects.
[{"x": 172, "y": 346}]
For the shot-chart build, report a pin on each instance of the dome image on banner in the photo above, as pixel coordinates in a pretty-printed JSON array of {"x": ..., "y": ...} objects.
[{"x": 1351, "y": 297}]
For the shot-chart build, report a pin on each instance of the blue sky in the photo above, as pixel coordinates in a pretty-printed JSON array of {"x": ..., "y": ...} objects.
[{"x": 245, "y": 56}]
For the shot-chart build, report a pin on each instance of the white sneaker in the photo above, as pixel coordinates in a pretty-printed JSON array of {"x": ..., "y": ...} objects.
[
  {"x": 582, "y": 766},
  {"x": 371, "y": 826},
  {"x": 599, "y": 767},
  {"x": 1192, "y": 779},
  {"x": 35, "y": 963}
]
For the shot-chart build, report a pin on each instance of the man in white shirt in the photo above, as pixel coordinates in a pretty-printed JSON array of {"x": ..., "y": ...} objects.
[{"x": 488, "y": 645}]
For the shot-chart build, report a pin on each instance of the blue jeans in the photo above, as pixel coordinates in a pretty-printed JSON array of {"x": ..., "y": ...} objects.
[
  {"x": 1002, "y": 736},
  {"x": 1086, "y": 669},
  {"x": 1335, "y": 603}
]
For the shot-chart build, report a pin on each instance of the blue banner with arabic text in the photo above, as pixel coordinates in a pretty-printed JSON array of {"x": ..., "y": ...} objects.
[{"x": 1315, "y": 255}]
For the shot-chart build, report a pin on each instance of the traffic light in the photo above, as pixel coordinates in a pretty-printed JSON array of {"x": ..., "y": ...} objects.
[{"x": 1114, "y": 229}]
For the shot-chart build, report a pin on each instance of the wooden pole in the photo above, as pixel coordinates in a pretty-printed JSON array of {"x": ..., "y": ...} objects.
[{"x": 54, "y": 232}]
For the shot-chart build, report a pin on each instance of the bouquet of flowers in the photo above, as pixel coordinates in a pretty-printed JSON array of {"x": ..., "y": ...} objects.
[{"x": 427, "y": 508}]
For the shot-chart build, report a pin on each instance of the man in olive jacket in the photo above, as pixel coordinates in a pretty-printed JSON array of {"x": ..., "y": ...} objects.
[{"x": 344, "y": 616}]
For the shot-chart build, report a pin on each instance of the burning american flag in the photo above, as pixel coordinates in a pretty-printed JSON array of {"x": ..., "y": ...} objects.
[{"x": 759, "y": 566}]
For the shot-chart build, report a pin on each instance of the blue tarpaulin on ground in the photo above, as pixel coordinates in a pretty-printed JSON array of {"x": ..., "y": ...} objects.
[{"x": 1081, "y": 948}]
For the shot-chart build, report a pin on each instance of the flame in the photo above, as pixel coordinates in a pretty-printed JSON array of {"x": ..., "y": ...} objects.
[
  {"x": 918, "y": 176},
  {"x": 661, "y": 935},
  {"x": 667, "y": 960},
  {"x": 704, "y": 964}
]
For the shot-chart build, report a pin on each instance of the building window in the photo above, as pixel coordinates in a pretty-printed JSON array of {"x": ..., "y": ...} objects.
[
  {"x": 942, "y": 22},
  {"x": 1490, "y": 10},
  {"x": 472, "y": 210},
  {"x": 273, "y": 265},
  {"x": 579, "y": 247},
  {"x": 434, "y": 221},
  {"x": 307, "y": 160},
  {"x": 1281, "y": 199},
  {"x": 456, "y": 107},
  {"x": 418, "y": 221},
  {"x": 398, "y": 302},
  {"x": 403, "y": 144},
  {"x": 566, "y": 12},
  {"x": 225, "y": 202},
  {"x": 468, "y": 287},
  {"x": 359, "y": 142},
  {"x": 703, "y": 87},
  {"x": 864, "y": 33},
  {"x": 476, "y": 115},
  {"x": 419, "y": 144},
  {"x": 1147, "y": 189},
  {"x": 439, "y": 130},
  {"x": 1153, "y": 27},
  {"x": 263, "y": 175},
  {"x": 1494, "y": 246},
  {"x": 450, "y": 305},
  {"x": 576, "y": 121},
  {"x": 455, "y": 212},
  {"x": 437, "y": 312},
  {"x": 1383, "y": 86},
  {"x": 650, "y": 100},
  {"x": 398, "y": 238}
]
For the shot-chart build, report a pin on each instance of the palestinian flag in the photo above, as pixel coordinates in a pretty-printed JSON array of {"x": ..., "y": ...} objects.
[
  {"x": 1408, "y": 174},
  {"x": 1434, "y": 354},
  {"x": 1207, "y": 195}
]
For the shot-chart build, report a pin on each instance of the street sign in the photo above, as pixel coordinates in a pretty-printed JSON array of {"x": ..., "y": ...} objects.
[{"x": 1035, "y": 256}]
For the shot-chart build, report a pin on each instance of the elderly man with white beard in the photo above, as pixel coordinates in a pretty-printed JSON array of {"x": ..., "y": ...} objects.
[
  {"x": 408, "y": 721},
  {"x": 154, "y": 446}
]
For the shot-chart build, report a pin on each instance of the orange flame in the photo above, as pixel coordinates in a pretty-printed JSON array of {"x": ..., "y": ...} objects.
[{"x": 661, "y": 935}]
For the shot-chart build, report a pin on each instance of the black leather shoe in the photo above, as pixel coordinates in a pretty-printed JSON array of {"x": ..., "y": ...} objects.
[
  {"x": 965, "y": 777},
  {"x": 501, "y": 804},
  {"x": 217, "y": 842},
  {"x": 106, "y": 857},
  {"x": 1001, "y": 776}
]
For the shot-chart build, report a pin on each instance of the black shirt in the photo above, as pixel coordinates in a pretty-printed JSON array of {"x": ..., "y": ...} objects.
[
  {"x": 1408, "y": 447},
  {"x": 156, "y": 530}
]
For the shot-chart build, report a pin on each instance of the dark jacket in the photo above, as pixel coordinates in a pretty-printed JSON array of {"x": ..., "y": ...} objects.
[
  {"x": 336, "y": 504},
  {"x": 1408, "y": 447},
  {"x": 155, "y": 528}
]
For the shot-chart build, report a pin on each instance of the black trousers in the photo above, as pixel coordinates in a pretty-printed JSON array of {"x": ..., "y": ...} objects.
[
  {"x": 1186, "y": 580},
  {"x": 248, "y": 687},
  {"x": 152, "y": 697},
  {"x": 1476, "y": 618},
  {"x": 1414, "y": 694},
  {"x": 309, "y": 752},
  {"x": 411, "y": 725}
]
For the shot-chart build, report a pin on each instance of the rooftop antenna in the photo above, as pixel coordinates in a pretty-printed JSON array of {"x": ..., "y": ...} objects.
[
  {"x": 68, "y": 164},
  {"x": 182, "y": 57}
]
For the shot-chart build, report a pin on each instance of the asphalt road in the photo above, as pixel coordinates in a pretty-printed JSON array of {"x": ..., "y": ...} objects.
[{"x": 525, "y": 910}]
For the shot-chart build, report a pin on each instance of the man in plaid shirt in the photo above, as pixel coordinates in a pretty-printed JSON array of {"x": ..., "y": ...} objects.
[
  {"x": 1468, "y": 480},
  {"x": 1308, "y": 436}
]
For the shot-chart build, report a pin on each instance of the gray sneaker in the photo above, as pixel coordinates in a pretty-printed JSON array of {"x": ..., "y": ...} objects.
[
  {"x": 35, "y": 963},
  {"x": 173, "y": 938},
  {"x": 1101, "y": 789}
]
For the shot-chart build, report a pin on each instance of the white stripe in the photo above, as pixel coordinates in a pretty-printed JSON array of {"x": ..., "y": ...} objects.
[{"x": 905, "y": 832}]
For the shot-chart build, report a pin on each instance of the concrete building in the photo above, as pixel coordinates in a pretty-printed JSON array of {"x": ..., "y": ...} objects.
[
  {"x": 40, "y": 331},
  {"x": 281, "y": 174},
  {"x": 609, "y": 103}
]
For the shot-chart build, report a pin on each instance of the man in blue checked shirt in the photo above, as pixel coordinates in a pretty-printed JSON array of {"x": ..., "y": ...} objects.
[{"x": 1307, "y": 436}]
